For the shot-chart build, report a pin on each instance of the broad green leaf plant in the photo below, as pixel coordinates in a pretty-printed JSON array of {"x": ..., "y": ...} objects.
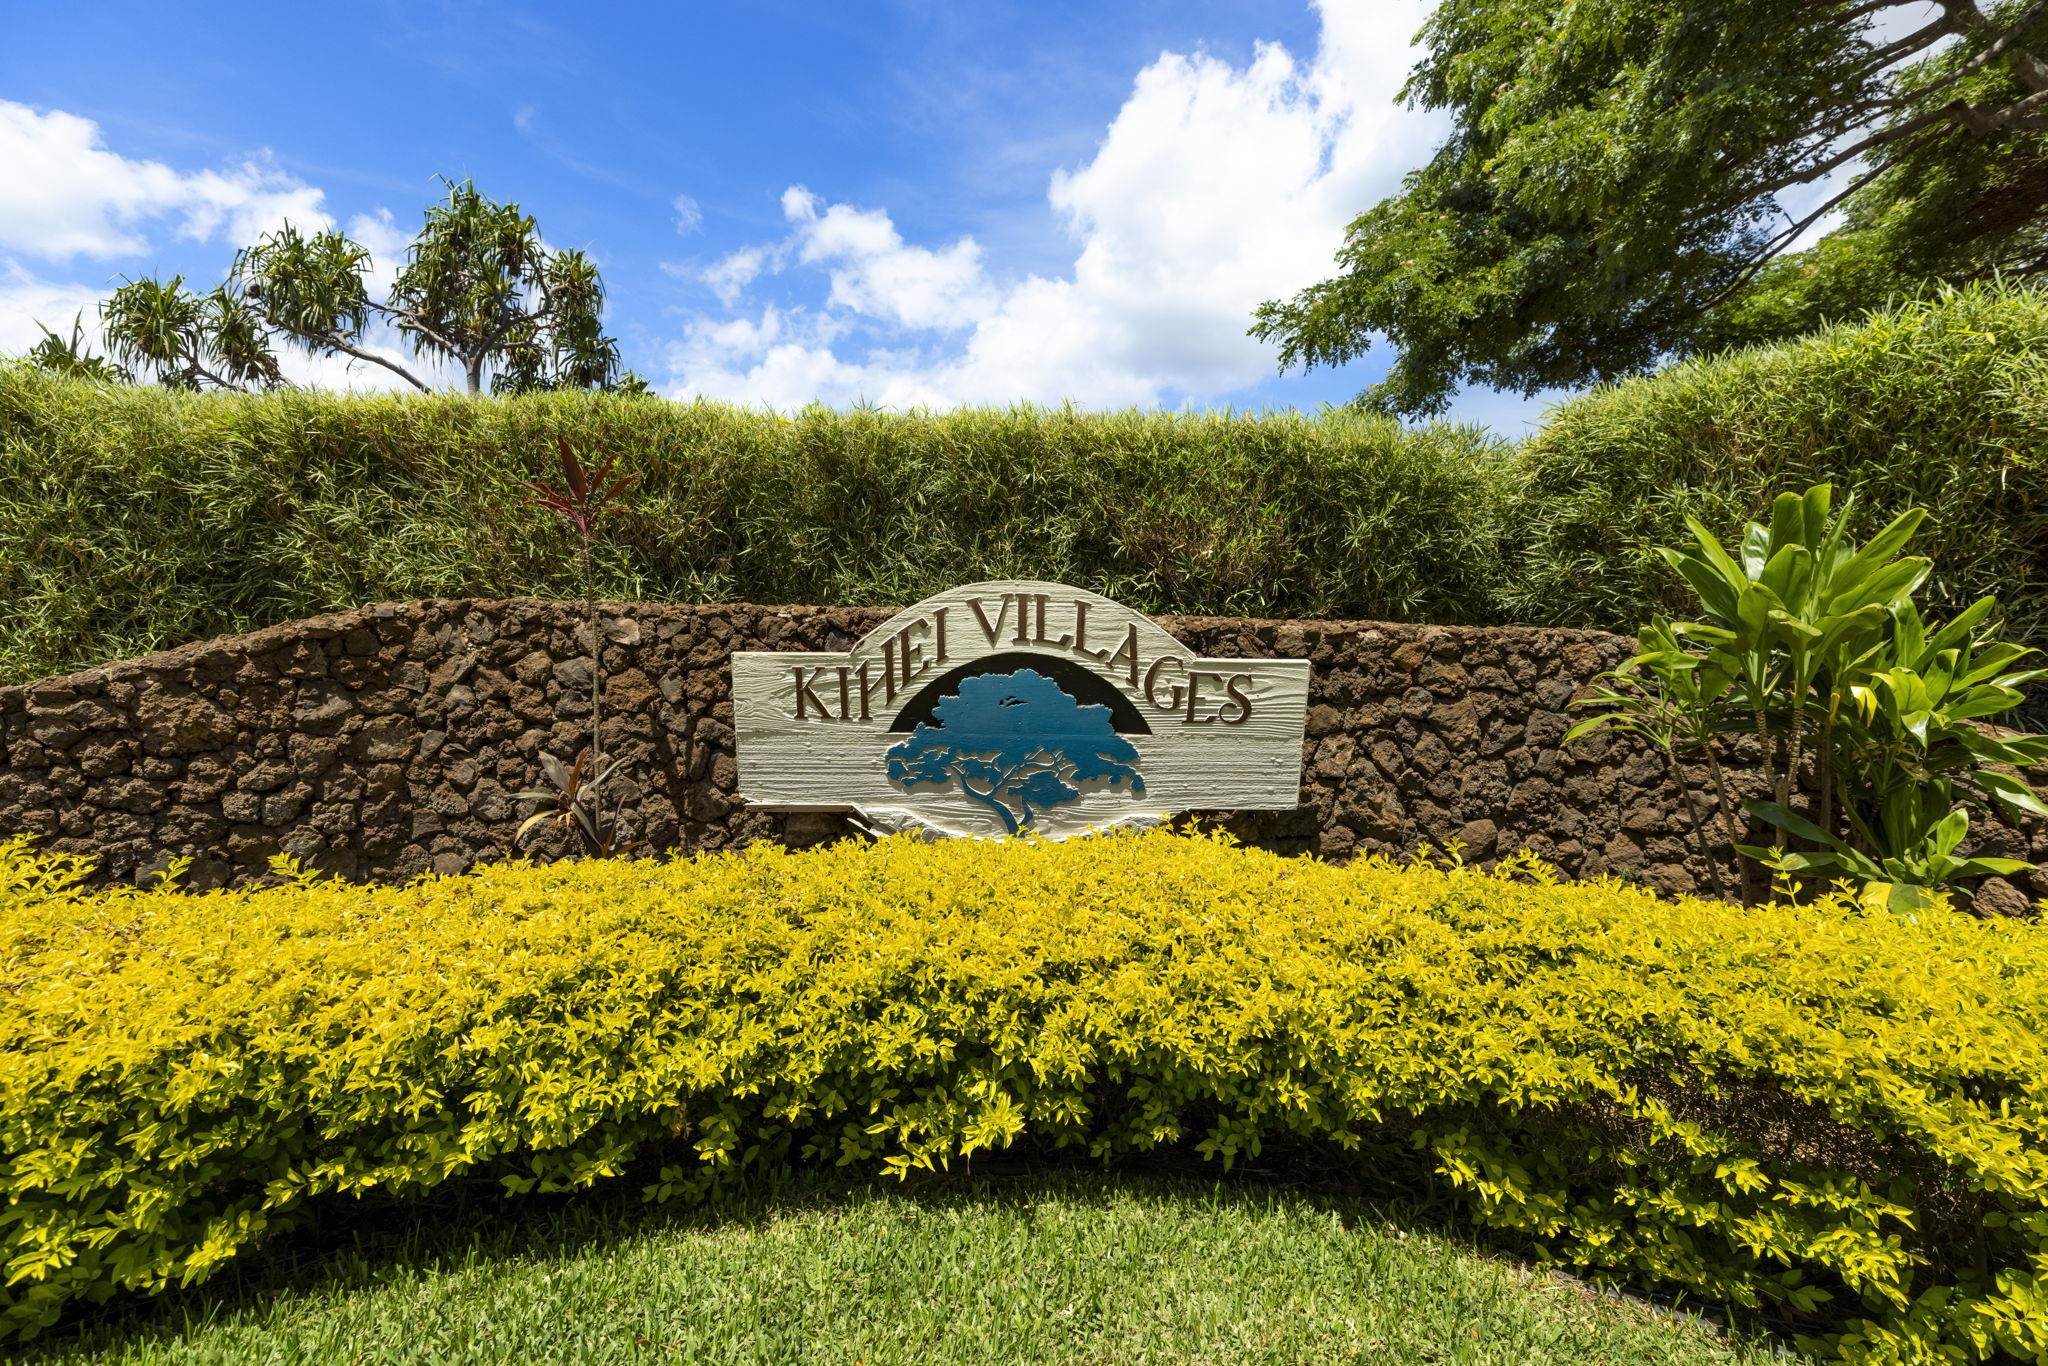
[{"x": 1868, "y": 722}]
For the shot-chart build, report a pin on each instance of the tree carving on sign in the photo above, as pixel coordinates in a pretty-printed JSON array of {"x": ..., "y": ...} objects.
[{"x": 1017, "y": 744}]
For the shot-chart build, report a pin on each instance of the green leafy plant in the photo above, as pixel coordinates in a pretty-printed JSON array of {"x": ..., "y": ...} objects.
[
  {"x": 1619, "y": 181},
  {"x": 1811, "y": 646},
  {"x": 1921, "y": 828},
  {"x": 1939, "y": 399},
  {"x": 201, "y": 517}
]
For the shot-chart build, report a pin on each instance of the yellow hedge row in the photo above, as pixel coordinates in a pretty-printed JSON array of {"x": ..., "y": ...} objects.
[{"x": 1830, "y": 1110}]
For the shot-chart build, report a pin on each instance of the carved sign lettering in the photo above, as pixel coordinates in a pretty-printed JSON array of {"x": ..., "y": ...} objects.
[{"x": 1000, "y": 708}]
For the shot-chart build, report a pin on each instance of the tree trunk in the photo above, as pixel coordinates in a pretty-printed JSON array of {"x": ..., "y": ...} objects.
[
  {"x": 473, "y": 370},
  {"x": 590, "y": 616}
]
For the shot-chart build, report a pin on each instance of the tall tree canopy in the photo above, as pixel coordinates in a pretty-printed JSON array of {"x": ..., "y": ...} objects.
[
  {"x": 187, "y": 340},
  {"x": 1614, "y": 188},
  {"x": 478, "y": 286}
]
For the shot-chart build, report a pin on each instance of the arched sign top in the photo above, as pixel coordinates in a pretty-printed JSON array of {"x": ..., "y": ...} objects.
[
  {"x": 1001, "y": 707},
  {"x": 1027, "y": 615}
]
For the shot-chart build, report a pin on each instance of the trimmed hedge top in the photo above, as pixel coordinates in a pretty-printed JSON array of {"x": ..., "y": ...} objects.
[
  {"x": 134, "y": 518},
  {"x": 1809, "y": 1109},
  {"x": 1940, "y": 403}
]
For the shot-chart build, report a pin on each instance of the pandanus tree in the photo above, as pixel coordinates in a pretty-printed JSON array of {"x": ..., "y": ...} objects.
[
  {"x": 313, "y": 291},
  {"x": 478, "y": 287},
  {"x": 72, "y": 356},
  {"x": 186, "y": 340}
]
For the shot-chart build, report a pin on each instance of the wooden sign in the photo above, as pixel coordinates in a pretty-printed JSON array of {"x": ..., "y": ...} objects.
[{"x": 1001, "y": 708}]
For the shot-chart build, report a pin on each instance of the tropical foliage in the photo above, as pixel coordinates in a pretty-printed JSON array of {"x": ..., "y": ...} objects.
[
  {"x": 185, "y": 340},
  {"x": 1939, "y": 403},
  {"x": 72, "y": 356},
  {"x": 1616, "y": 186},
  {"x": 1838, "y": 1117},
  {"x": 131, "y": 518},
  {"x": 1869, "y": 722},
  {"x": 477, "y": 287}
]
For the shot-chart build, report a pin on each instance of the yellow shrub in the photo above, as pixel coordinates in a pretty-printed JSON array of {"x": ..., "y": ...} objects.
[{"x": 1815, "y": 1107}]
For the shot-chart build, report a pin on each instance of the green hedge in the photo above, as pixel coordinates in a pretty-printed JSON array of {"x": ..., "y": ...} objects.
[
  {"x": 1833, "y": 1115},
  {"x": 1942, "y": 402},
  {"x": 132, "y": 518}
]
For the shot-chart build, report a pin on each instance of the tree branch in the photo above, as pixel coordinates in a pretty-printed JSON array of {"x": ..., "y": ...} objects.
[
  {"x": 406, "y": 317},
  {"x": 198, "y": 371},
  {"x": 1969, "y": 22},
  {"x": 1976, "y": 119},
  {"x": 1882, "y": 137},
  {"x": 540, "y": 316},
  {"x": 1985, "y": 122},
  {"x": 1791, "y": 233},
  {"x": 1864, "y": 11},
  {"x": 1773, "y": 248},
  {"x": 1906, "y": 46},
  {"x": 336, "y": 343}
]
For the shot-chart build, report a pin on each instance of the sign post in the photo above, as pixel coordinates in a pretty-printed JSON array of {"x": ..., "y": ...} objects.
[{"x": 1000, "y": 708}]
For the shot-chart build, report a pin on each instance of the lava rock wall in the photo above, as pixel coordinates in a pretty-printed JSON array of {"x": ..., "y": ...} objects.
[{"x": 390, "y": 741}]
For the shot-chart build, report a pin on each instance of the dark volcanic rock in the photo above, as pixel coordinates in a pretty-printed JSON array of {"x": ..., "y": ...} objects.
[{"x": 388, "y": 741}]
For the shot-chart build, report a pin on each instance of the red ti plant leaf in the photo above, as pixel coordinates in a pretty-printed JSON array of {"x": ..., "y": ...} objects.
[
  {"x": 584, "y": 494},
  {"x": 572, "y": 471}
]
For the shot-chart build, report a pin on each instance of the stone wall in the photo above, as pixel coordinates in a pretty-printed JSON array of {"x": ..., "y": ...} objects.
[{"x": 388, "y": 741}]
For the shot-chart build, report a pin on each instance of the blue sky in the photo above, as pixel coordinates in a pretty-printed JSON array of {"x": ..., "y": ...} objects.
[{"x": 902, "y": 203}]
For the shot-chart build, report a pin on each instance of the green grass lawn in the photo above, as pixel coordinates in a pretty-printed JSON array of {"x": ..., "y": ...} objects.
[{"x": 1043, "y": 1267}]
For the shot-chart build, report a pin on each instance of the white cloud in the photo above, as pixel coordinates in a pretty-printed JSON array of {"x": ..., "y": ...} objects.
[
  {"x": 67, "y": 195},
  {"x": 387, "y": 243},
  {"x": 786, "y": 355},
  {"x": 873, "y": 272},
  {"x": 729, "y": 276},
  {"x": 689, "y": 217},
  {"x": 1214, "y": 188},
  {"x": 27, "y": 300}
]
